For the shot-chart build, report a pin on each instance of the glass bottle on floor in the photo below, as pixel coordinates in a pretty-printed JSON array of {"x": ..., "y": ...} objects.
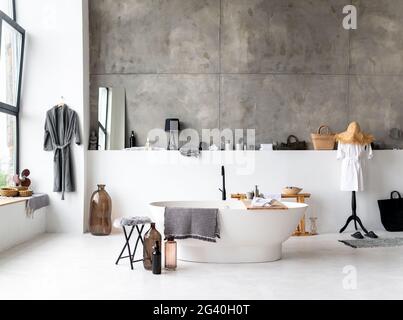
[
  {"x": 156, "y": 260},
  {"x": 150, "y": 238},
  {"x": 100, "y": 212},
  {"x": 171, "y": 254},
  {"x": 314, "y": 227}
]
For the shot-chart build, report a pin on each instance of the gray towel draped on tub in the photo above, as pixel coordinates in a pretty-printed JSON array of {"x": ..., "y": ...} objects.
[{"x": 192, "y": 223}]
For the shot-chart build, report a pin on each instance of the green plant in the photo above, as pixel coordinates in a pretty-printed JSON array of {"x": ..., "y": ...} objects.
[{"x": 3, "y": 180}]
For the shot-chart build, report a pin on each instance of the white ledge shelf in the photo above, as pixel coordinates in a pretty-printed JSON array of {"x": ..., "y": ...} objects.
[{"x": 7, "y": 201}]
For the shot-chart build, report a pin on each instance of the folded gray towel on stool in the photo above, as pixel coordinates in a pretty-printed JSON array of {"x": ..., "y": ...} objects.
[
  {"x": 36, "y": 202},
  {"x": 188, "y": 223}
]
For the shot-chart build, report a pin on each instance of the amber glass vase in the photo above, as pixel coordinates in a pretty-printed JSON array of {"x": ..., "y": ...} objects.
[
  {"x": 150, "y": 239},
  {"x": 101, "y": 212}
]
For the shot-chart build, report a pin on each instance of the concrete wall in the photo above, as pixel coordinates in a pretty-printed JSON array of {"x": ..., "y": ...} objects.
[{"x": 279, "y": 66}]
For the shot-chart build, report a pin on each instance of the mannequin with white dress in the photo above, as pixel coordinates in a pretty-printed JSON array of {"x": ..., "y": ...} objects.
[{"x": 354, "y": 148}]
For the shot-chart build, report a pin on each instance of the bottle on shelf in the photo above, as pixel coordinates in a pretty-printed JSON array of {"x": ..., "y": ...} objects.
[
  {"x": 257, "y": 192},
  {"x": 148, "y": 145},
  {"x": 132, "y": 142}
]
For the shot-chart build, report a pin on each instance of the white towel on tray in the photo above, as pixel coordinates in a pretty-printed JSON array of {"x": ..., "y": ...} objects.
[{"x": 262, "y": 202}]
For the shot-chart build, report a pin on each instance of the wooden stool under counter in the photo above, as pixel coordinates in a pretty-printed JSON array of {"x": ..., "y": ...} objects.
[{"x": 301, "y": 229}]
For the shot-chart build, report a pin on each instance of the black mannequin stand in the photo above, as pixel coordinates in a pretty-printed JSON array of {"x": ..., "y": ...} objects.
[{"x": 354, "y": 216}]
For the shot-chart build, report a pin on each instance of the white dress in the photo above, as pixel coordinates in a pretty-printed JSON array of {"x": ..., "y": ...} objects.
[{"x": 353, "y": 156}]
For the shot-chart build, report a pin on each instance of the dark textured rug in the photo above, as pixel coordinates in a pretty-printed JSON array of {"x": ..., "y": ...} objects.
[{"x": 373, "y": 243}]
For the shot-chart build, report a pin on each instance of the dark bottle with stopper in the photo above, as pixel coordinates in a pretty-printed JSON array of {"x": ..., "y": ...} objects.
[
  {"x": 257, "y": 192},
  {"x": 157, "y": 258},
  {"x": 132, "y": 142}
]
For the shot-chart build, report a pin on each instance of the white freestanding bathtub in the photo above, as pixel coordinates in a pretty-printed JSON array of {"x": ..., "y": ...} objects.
[{"x": 247, "y": 236}]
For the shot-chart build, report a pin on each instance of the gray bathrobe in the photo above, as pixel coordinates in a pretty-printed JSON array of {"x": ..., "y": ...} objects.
[{"x": 60, "y": 127}]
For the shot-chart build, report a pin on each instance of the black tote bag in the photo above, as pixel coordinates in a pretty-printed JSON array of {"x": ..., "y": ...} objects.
[
  {"x": 392, "y": 212},
  {"x": 293, "y": 143}
]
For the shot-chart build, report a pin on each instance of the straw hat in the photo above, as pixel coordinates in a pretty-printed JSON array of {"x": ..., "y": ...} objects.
[{"x": 354, "y": 135}]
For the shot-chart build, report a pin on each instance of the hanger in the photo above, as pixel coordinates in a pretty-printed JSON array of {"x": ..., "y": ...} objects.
[{"x": 61, "y": 103}]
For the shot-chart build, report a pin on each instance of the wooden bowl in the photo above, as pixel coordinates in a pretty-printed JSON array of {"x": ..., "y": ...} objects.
[
  {"x": 9, "y": 192},
  {"x": 291, "y": 191}
]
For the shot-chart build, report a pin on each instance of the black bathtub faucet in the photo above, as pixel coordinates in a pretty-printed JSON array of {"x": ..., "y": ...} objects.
[{"x": 223, "y": 190}]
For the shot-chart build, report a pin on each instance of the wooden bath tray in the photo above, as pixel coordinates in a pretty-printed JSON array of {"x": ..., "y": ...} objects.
[{"x": 279, "y": 206}]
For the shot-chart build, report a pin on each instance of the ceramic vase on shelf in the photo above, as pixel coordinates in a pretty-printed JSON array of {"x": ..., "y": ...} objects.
[
  {"x": 150, "y": 239},
  {"x": 101, "y": 212}
]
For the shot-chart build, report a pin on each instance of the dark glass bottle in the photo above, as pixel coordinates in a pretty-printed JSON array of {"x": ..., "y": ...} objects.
[
  {"x": 157, "y": 258},
  {"x": 100, "y": 212},
  {"x": 132, "y": 140},
  {"x": 150, "y": 238}
]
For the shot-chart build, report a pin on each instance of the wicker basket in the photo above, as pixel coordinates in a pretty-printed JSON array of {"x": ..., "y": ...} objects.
[
  {"x": 21, "y": 188},
  {"x": 323, "y": 141},
  {"x": 9, "y": 192},
  {"x": 26, "y": 193}
]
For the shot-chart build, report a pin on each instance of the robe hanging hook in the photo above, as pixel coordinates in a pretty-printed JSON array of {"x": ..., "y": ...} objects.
[{"x": 62, "y": 101}]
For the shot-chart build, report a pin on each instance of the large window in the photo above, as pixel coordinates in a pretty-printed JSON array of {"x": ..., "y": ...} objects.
[
  {"x": 8, "y": 8},
  {"x": 12, "y": 38}
]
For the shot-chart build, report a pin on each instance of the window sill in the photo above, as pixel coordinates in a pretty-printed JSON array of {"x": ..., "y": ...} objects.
[{"x": 9, "y": 201}]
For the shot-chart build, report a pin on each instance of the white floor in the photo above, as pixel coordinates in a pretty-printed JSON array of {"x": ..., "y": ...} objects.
[{"x": 82, "y": 267}]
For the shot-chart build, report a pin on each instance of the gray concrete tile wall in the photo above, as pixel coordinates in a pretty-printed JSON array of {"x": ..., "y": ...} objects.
[
  {"x": 280, "y": 105},
  {"x": 153, "y": 98},
  {"x": 277, "y": 36},
  {"x": 377, "y": 44},
  {"x": 378, "y": 102},
  {"x": 154, "y": 36},
  {"x": 279, "y": 66}
]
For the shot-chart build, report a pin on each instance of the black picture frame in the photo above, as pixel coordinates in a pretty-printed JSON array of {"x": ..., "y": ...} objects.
[{"x": 4, "y": 107}]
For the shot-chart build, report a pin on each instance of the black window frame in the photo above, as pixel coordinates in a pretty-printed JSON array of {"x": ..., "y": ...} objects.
[
  {"x": 4, "y": 107},
  {"x": 14, "y": 11}
]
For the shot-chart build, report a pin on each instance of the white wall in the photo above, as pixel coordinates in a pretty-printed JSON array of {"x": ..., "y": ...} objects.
[
  {"x": 135, "y": 179},
  {"x": 16, "y": 227},
  {"x": 54, "y": 67}
]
